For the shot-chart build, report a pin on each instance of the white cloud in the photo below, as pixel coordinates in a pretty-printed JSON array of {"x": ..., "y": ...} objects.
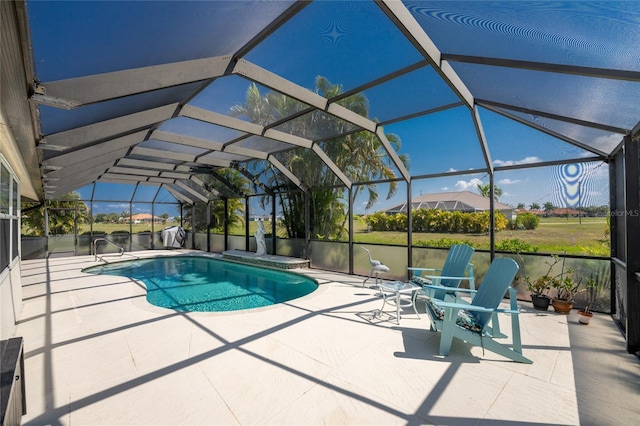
[
  {"x": 119, "y": 206},
  {"x": 463, "y": 185},
  {"x": 508, "y": 181},
  {"x": 526, "y": 160},
  {"x": 452, "y": 170},
  {"x": 444, "y": 188}
]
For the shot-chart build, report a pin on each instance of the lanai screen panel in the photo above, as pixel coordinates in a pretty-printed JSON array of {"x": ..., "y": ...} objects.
[
  {"x": 141, "y": 34},
  {"x": 512, "y": 144},
  {"x": 599, "y": 139},
  {"x": 336, "y": 40},
  {"x": 591, "y": 34},
  {"x": 585, "y": 98},
  {"x": 432, "y": 145},
  {"x": 419, "y": 91}
]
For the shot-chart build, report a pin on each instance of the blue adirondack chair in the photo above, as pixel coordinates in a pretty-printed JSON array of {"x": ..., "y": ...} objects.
[
  {"x": 450, "y": 276},
  {"x": 470, "y": 322}
]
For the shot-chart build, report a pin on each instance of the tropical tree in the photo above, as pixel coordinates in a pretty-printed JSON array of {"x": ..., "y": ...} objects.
[
  {"x": 360, "y": 156},
  {"x": 520, "y": 206},
  {"x": 61, "y": 214},
  {"x": 486, "y": 188},
  {"x": 234, "y": 186},
  {"x": 548, "y": 207},
  {"x": 534, "y": 206}
]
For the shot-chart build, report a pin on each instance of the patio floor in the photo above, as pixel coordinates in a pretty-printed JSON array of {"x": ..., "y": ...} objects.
[{"x": 97, "y": 353}]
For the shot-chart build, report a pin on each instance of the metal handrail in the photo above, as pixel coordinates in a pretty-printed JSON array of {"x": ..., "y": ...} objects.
[{"x": 95, "y": 251}]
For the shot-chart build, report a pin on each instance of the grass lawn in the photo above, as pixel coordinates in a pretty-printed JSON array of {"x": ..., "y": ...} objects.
[{"x": 553, "y": 235}]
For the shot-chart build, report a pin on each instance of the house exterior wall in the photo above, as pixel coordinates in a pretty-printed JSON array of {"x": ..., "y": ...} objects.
[{"x": 18, "y": 154}]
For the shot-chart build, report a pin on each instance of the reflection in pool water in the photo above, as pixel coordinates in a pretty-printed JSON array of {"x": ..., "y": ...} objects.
[{"x": 202, "y": 284}]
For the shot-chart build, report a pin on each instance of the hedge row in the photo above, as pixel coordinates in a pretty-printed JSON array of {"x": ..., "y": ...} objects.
[{"x": 436, "y": 220}]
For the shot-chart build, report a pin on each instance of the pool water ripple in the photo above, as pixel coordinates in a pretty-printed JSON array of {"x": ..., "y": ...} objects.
[{"x": 202, "y": 284}]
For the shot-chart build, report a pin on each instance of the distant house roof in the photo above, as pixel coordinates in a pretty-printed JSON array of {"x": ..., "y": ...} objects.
[
  {"x": 143, "y": 216},
  {"x": 564, "y": 211},
  {"x": 465, "y": 201}
]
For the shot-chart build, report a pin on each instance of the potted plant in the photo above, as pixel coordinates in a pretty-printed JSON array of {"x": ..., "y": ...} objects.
[
  {"x": 566, "y": 289},
  {"x": 585, "y": 315},
  {"x": 540, "y": 287}
]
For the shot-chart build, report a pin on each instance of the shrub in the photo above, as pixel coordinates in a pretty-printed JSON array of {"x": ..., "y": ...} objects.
[
  {"x": 516, "y": 245},
  {"x": 120, "y": 232},
  {"x": 441, "y": 243},
  {"x": 528, "y": 220}
]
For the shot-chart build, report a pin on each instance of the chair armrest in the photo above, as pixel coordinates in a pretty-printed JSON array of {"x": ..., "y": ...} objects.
[
  {"x": 474, "y": 308},
  {"x": 463, "y": 306},
  {"x": 442, "y": 277},
  {"x": 445, "y": 288},
  {"x": 423, "y": 269}
]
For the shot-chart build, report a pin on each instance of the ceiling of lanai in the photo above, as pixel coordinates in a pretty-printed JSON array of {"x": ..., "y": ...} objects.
[{"x": 143, "y": 92}]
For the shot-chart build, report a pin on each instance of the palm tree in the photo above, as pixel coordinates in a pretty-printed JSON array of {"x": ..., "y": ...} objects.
[
  {"x": 359, "y": 155},
  {"x": 235, "y": 206},
  {"x": 548, "y": 207},
  {"x": 534, "y": 206},
  {"x": 61, "y": 213},
  {"x": 486, "y": 188}
]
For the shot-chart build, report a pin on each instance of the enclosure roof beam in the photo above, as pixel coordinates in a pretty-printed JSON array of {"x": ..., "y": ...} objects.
[
  {"x": 132, "y": 171},
  {"x": 293, "y": 178},
  {"x": 393, "y": 154},
  {"x": 108, "y": 129},
  {"x": 192, "y": 191},
  {"x": 477, "y": 122},
  {"x": 95, "y": 165},
  {"x": 79, "y": 91},
  {"x": 302, "y": 94},
  {"x": 407, "y": 24},
  {"x": 334, "y": 168},
  {"x": 486, "y": 103},
  {"x": 607, "y": 73},
  {"x": 177, "y": 194},
  {"x": 545, "y": 130},
  {"x": 255, "y": 129},
  {"x": 153, "y": 165},
  {"x": 186, "y": 140},
  {"x": 95, "y": 151},
  {"x": 201, "y": 184}
]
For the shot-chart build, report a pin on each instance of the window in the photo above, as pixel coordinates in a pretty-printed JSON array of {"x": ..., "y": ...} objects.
[{"x": 9, "y": 215}]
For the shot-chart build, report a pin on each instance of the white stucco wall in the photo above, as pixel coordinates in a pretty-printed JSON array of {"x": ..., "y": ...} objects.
[{"x": 10, "y": 279}]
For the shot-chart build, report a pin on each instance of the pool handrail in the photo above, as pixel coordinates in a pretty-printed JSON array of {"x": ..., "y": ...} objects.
[{"x": 95, "y": 250}]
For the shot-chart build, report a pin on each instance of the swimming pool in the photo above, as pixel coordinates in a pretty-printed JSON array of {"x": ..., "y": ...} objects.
[{"x": 203, "y": 284}]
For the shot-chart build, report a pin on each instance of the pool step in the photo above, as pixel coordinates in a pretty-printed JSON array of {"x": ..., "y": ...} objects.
[{"x": 279, "y": 262}]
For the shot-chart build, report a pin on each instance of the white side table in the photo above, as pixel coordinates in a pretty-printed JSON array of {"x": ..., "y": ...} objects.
[{"x": 399, "y": 288}]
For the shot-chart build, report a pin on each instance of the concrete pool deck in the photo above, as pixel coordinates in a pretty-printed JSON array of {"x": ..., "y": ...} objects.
[{"x": 97, "y": 353}]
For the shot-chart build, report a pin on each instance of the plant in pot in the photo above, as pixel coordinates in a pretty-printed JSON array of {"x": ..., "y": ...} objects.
[
  {"x": 585, "y": 315},
  {"x": 566, "y": 290},
  {"x": 540, "y": 287}
]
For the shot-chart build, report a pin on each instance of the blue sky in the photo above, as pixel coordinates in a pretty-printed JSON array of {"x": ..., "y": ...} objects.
[{"x": 321, "y": 40}]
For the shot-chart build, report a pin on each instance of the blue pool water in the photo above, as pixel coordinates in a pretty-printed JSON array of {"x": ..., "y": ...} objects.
[{"x": 201, "y": 284}]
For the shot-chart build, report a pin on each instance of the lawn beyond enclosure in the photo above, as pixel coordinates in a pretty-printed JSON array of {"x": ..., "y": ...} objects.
[{"x": 553, "y": 235}]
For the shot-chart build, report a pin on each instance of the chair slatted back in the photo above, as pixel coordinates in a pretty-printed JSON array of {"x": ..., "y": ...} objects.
[
  {"x": 494, "y": 287},
  {"x": 456, "y": 264}
]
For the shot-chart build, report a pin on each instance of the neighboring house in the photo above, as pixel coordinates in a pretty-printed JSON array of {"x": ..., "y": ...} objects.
[
  {"x": 534, "y": 211},
  {"x": 463, "y": 201},
  {"x": 565, "y": 212},
  {"x": 142, "y": 218}
]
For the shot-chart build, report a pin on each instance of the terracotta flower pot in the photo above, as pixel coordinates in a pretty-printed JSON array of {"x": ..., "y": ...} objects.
[
  {"x": 562, "y": 306},
  {"x": 584, "y": 317}
]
